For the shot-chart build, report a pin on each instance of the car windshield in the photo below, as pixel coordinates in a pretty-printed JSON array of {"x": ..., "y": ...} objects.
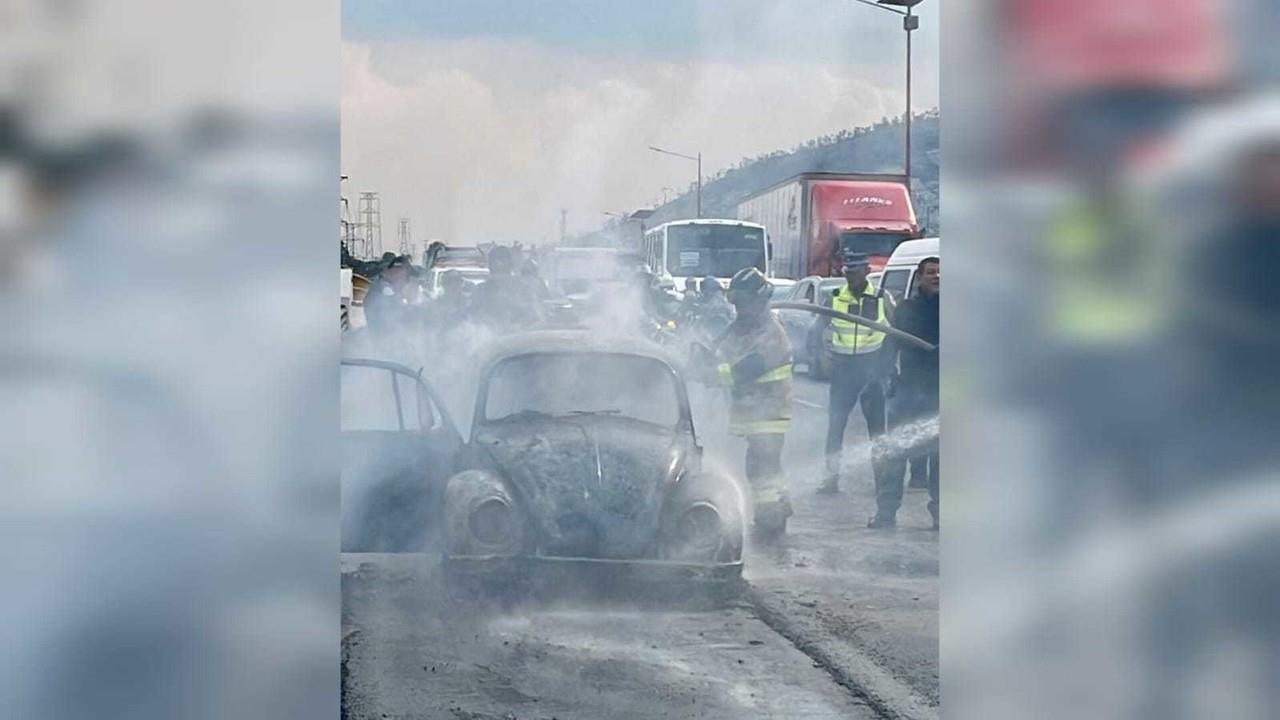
[
  {"x": 468, "y": 274},
  {"x": 719, "y": 250},
  {"x": 577, "y": 272},
  {"x": 573, "y": 384},
  {"x": 588, "y": 266}
]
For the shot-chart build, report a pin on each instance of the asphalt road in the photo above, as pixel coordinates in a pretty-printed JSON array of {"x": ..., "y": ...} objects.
[{"x": 834, "y": 621}]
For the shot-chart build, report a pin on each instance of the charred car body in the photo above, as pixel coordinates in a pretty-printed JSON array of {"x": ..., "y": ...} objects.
[{"x": 583, "y": 457}]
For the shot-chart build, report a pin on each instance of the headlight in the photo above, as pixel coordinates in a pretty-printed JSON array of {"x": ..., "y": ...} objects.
[
  {"x": 492, "y": 522},
  {"x": 699, "y": 528}
]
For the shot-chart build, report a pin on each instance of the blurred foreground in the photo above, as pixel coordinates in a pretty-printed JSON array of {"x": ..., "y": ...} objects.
[
  {"x": 1109, "y": 390},
  {"x": 167, "y": 375}
]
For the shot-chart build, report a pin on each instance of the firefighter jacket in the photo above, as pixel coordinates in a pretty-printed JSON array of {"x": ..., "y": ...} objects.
[{"x": 755, "y": 362}]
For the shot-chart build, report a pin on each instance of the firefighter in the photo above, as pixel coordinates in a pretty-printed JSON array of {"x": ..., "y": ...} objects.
[
  {"x": 857, "y": 366},
  {"x": 755, "y": 362}
]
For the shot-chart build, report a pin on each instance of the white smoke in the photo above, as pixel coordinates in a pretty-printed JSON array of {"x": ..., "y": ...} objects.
[{"x": 485, "y": 140}]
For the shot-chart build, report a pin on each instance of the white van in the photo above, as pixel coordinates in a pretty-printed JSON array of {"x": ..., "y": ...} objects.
[{"x": 898, "y": 277}]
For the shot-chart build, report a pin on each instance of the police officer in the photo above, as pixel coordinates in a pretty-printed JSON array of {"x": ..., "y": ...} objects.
[
  {"x": 916, "y": 397},
  {"x": 755, "y": 362},
  {"x": 857, "y": 365}
]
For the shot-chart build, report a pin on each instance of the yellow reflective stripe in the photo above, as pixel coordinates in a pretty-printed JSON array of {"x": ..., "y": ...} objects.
[
  {"x": 782, "y": 372},
  {"x": 760, "y": 427},
  {"x": 726, "y": 373}
]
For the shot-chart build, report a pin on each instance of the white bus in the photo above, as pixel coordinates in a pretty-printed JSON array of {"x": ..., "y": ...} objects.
[{"x": 682, "y": 251}]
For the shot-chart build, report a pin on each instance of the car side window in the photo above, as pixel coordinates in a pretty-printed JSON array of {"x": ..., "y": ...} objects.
[
  {"x": 368, "y": 399},
  {"x": 810, "y": 293},
  {"x": 895, "y": 283}
]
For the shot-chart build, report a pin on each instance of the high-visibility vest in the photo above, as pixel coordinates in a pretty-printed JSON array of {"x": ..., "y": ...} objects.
[{"x": 850, "y": 338}]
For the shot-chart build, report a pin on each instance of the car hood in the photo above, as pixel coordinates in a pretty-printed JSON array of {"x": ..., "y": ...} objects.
[{"x": 593, "y": 486}]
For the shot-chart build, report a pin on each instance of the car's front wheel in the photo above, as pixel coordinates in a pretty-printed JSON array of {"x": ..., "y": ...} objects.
[{"x": 702, "y": 521}]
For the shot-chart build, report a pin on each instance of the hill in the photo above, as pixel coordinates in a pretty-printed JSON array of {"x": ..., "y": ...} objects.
[{"x": 873, "y": 149}]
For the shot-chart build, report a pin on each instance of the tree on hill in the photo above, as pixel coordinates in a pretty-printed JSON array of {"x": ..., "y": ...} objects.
[{"x": 873, "y": 149}]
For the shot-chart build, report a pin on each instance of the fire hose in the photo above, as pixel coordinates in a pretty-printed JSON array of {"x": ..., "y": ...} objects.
[{"x": 831, "y": 313}]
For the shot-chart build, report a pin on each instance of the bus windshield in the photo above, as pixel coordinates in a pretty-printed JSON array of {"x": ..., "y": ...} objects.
[{"x": 718, "y": 250}]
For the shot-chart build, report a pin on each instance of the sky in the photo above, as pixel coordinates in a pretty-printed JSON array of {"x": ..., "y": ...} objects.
[{"x": 478, "y": 120}]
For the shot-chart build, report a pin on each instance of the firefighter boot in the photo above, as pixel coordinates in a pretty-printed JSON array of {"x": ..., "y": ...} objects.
[{"x": 771, "y": 519}]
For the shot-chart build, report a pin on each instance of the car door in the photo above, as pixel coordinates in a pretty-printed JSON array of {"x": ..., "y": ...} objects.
[
  {"x": 796, "y": 322},
  {"x": 398, "y": 449}
]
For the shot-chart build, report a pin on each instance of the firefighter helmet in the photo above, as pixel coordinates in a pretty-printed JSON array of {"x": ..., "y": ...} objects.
[{"x": 749, "y": 290}]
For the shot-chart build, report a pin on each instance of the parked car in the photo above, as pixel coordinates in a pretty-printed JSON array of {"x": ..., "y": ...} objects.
[
  {"x": 582, "y": 457},
  {"x": 398, "y": 446},
  {"x": 803, "y": 328}
]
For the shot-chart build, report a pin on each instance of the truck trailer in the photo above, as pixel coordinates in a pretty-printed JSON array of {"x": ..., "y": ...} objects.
[{"x": 813, "y": 218}]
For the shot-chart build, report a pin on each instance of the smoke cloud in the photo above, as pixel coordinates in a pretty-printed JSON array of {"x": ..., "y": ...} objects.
[{"x": 485, "y": 139}]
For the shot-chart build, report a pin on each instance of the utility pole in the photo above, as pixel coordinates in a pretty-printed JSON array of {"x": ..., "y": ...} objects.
[
  {"x": 564, "y": 221},
  {"x": 346, "y": 231},
  {"x": 909, "y": 23},
  {"x": 406, "y": 244},
  {"x": 370, "y": 210}
]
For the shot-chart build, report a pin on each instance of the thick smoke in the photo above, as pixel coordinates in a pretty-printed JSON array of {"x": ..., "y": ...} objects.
[{"x": 486, "y": 138}]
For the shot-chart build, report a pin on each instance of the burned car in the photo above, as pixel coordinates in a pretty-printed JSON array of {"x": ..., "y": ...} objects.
[{"x": 583, "y": 458}]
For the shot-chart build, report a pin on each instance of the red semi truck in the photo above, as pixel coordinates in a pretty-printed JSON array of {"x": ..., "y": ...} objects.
[{"x": 813, "y": 217}]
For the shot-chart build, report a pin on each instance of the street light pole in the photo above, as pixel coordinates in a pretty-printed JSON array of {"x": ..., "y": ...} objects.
[
  {"x": 910, "y": 22},
  {"x": 696, "y": 158},
  {"x": 699, "y": 185}
]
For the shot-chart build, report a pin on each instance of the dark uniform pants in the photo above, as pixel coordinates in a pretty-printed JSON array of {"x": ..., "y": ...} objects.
[
  {"x": 854, "y": 381},
  {"x": 911, "y": 411},
  {"x": 764, "y": 468}
]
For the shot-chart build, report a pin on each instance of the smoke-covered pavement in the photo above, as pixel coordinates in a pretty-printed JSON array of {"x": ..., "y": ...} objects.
[{"x": 836, "y": 621}]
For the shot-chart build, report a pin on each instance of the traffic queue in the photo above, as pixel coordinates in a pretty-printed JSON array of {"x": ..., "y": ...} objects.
[{"x": 875, "y": 340}]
